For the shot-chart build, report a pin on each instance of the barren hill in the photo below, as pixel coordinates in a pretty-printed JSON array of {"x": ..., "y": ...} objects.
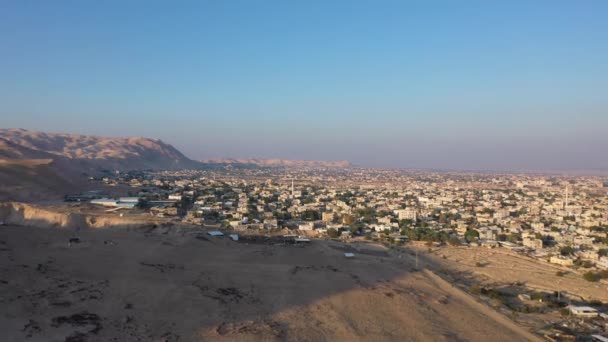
[
  {"x": 34, "y": 179},
  {"x": 37, "y": 166},
  {"x": 179, "y": 284},
  {"x": 93, "y": 152}
]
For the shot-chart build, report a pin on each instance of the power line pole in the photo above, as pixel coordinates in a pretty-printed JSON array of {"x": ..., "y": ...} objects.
[{"x": 566, "y": 202}]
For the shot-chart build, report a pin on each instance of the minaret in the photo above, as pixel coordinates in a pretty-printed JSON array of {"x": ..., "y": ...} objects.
[{"x": 292, "y": 188}]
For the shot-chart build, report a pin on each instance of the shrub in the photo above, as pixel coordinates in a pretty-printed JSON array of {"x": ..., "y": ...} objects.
[
  {"x": 595, "y": 302},
  {"x": 454, "y": 241},
  {"x": 332, "y": 233},
  {"x": 590, "y": 276},
  {"x": 537, "y": 295},
  {"x": 566, "y": 250},
  {"x": 475, "y": 289}
]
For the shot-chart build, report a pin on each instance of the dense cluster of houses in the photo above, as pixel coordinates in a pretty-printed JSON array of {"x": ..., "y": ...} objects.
[{"x": 560, "y": 219}]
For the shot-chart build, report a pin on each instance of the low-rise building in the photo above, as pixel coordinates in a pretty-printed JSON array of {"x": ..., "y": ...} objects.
[
  {"x": 560, "y": 260},
  {"x": 533, "y": 243}
]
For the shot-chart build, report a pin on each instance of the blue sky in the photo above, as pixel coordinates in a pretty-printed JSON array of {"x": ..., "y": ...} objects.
[{"x": 439, "y": 84}]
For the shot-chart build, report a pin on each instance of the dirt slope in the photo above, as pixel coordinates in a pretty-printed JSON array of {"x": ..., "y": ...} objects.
[
  {"x": 147, "y": 285},
  {"x": 35, "y": 179}
]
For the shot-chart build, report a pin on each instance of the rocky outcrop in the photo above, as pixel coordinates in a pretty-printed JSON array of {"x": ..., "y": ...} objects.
[{"x": 23, "y": 214}]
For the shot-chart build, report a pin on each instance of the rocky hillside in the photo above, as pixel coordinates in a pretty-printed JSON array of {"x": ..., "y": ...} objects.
[{"x": 92, "y": 152}]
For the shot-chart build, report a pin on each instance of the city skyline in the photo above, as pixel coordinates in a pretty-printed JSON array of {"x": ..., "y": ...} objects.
[{"x": 475, "y": 86}]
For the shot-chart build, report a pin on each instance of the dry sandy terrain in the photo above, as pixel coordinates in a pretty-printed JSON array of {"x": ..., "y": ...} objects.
[
  {"x": 32, "y": 180},
  {"x": 503, "y": 266},
  {"x": 168, "y": 285}
]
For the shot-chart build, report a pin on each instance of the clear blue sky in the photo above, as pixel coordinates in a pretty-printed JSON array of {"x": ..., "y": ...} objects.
[{"x": 443, "y": 84}]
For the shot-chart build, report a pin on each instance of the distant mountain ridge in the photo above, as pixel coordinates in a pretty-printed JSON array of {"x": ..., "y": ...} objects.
[
  {"x": 88, "y": 153},
  {"x": 93, "y": 152},
  {"x": 280, "y": 162}
]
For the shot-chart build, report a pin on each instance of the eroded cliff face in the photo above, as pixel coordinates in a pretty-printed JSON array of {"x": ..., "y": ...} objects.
[{"x": 23, "y": 214}]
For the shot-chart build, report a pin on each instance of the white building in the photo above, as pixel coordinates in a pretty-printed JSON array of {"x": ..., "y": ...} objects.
[
  {"x": 560, "y": 260},
  {"x": 128, "y": 199},
  {"x": 533, "y": 243},
  {"x": 175, "y": 197},
  {"x": 406, "y": 214},
  {"x": 602, "y": 263},
  {"x": 106, "y": 202},
  {"x": 583, "y": 311},
  {"x": 306, "y": 226}
]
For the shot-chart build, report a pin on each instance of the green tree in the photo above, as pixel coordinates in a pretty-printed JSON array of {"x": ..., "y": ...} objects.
[
  {"x": 405, "y": 223},
  {"x": 332, "y": 233},
  {"x": 310, "y": 215},
  {"x": 566, "y": 250},
  {"x": 471, "y": 235},
  {"x": 454, "y": 241},
  {"x": 514, "y": 237},
  {"x": 592, "y": 277}
]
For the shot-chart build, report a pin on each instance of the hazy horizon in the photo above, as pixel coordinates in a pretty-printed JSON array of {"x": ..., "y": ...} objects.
[{"x": 470, "y": 86}]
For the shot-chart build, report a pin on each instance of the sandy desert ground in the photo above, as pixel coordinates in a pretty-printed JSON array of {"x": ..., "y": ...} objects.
[
  {"x": 501, "y": 266},
  {"x": 183, "y": 285}
]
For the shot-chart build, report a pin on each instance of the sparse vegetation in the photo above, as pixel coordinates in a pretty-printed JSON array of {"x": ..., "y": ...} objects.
[{"x": 332, "y": 233}]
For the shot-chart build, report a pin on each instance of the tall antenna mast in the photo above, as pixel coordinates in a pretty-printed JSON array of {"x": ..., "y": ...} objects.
[{"x": 566, "y": 202}]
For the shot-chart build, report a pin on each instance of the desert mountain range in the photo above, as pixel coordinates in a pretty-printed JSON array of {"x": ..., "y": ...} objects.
[
  {"x": 92, "y": 152},
  {"x": 279, "y": 162},
  {"x": 34, "y": 165}
]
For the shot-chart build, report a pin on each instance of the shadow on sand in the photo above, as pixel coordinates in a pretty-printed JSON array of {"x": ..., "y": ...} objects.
[{"x": 174, "y": 284}]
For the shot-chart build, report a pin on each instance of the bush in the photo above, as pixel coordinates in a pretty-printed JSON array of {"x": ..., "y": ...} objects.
[
  {"x": 584, "y": 263},
  {"x": 471, "y": 235},
  {"x": 475, "y": 289},
  {"x": 537, "y": 296},
  {"x": 595, "y": 302},
  {"x": 454, "y": 241},
  {"x": 332, "y": 233},
  {"x": 566, "y": 250},
  {"x": 592, "y": 277}
]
